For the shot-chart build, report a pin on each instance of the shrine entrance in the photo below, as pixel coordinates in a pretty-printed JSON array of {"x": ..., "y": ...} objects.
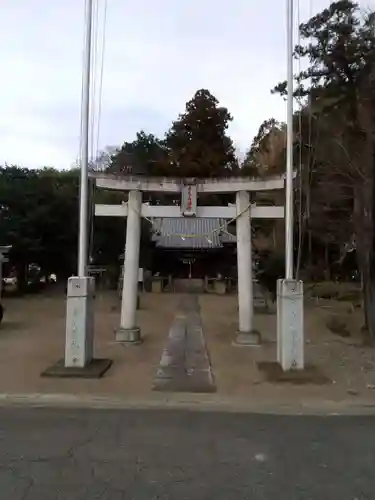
[{"x": 241, "y": 212}]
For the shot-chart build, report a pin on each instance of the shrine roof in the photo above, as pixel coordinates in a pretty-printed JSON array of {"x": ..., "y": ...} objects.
[{"x": 170, "y": 231}]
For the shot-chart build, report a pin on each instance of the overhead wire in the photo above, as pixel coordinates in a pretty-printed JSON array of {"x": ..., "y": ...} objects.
[
  {"x": 93, "y": 69},
  {"x": 305, "y": 108},
  {"x": 101, "y": 75},
  {"x": 82, "y": 88},
  {"x": 97, "y": 72},
  {"x": 93, "y": 76},
  {"x": 300, "y": 144}
]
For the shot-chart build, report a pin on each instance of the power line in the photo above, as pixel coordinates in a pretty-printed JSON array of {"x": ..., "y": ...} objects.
[
  {"x": 101, "y": 74},
  {"x": 97, "y": 72}
]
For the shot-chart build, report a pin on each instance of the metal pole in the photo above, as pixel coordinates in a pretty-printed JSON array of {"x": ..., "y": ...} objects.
[
  {"x": 289, "y": 149},
  {"x": 84, "y": 153}
]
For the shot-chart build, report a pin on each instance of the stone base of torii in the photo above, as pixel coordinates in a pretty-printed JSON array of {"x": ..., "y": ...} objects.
[{"x": 290, "y": 338}]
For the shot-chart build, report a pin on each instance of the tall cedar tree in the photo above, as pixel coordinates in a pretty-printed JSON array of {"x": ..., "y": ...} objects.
[{"x": 198, "y": 140}]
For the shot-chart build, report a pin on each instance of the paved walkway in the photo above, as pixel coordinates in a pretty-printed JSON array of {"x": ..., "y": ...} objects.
[
  {"x": 185, "y": 364},
  {"x": 135, "y": 455}
]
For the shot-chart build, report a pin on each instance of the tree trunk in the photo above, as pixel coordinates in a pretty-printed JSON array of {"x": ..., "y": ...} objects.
[
  {"x": 369, "y": 307},
  {"x": 365, "y": 251},
  {"x": 310, "y": 249},
  {"x": 364, "y": 205},
  {"x": 327, "y": 270}
]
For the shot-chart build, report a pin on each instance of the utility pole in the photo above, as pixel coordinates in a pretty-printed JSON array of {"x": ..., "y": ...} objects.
[
  {"x": 84, "y": 142},
  {"x": 289, "y": 243},
  {"x": 79, "y": 331},
  {"x": 79, "y": 316},
  {"x": 290, "y": 324}
]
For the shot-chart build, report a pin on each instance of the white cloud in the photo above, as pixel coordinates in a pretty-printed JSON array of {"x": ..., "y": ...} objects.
[{"x": 157, "y": 55}]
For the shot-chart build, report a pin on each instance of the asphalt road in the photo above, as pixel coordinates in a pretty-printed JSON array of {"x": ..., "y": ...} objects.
[{"x": 48, "y": 454}]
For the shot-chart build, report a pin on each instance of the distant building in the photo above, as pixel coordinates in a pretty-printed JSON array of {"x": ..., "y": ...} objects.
[
  {"x": 193, "y": 247},
  {"x": 198, "y": 247}
]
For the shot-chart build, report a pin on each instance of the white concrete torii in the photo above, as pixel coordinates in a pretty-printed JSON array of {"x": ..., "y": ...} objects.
[{"x": 188, "y": 188}]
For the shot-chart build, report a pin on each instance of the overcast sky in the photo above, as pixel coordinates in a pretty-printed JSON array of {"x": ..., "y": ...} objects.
[{"x": 158, "y": 53}]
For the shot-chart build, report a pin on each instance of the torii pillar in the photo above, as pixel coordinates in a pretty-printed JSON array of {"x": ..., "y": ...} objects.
[
  {"x": 129, "y": 332},
  {"x": 246, "y": 334}
]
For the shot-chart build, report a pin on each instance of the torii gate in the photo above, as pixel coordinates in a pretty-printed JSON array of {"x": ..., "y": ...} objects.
[{"x": 242, "y": 212}]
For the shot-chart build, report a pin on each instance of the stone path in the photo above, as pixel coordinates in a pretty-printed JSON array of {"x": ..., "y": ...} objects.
[{"x": 185, "y": 364}]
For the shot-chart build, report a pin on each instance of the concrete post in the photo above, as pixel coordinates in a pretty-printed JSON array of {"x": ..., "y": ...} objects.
[
  {"x": 79, "y": 358},
  {"x": 79, "y": 331},
  {"x": 279, "y": 319},
  {"x": 290, "y": 325},
  {"x": 128, "y": 331},
  {"x": 246, "y": 334}
]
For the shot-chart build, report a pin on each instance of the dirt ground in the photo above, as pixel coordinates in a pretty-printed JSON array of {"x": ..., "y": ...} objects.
[
  {"x": 33, "y": 332},
  {"x": 348, "y": 365}
]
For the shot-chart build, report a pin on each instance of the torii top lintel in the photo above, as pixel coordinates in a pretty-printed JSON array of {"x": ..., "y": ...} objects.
[{"x": 171, "y": 185}]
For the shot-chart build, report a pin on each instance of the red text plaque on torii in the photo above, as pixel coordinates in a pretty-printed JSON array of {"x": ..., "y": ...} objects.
[{"x": 189, "y": 200}]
